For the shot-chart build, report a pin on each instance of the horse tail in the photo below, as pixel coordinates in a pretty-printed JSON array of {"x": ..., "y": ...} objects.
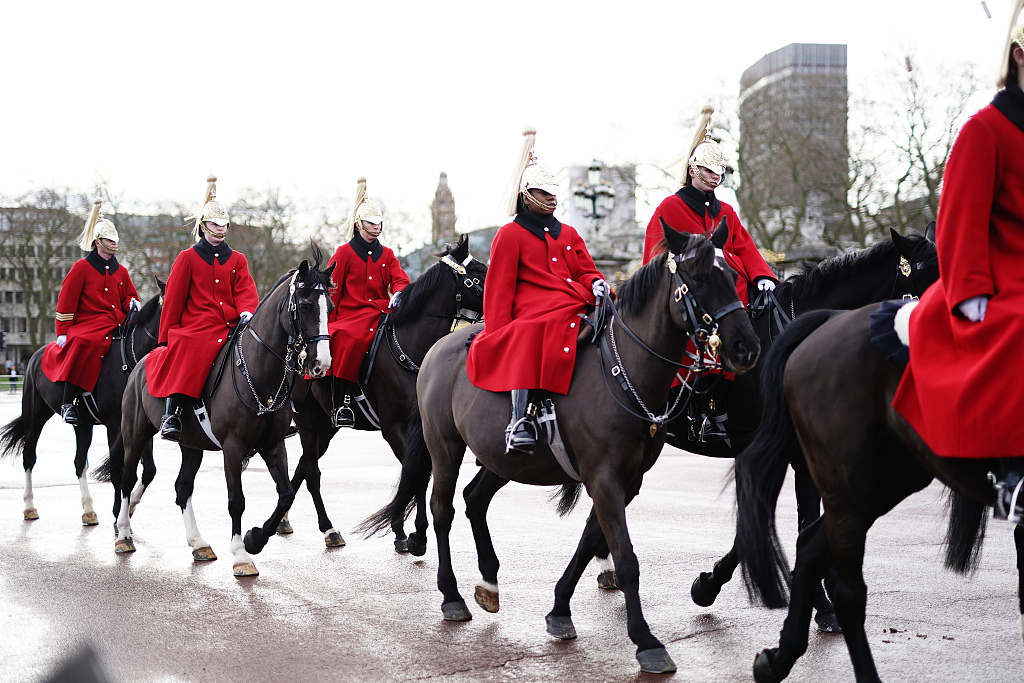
[
  {"x": 12, "y": 438},
  {"x": 103, "y": 471},
  {"x": 965, "y": 533},
  {"x": 761, "y": 470},
  {"x": 568, "y": 496},
  {"x": 416, "y": 471}
]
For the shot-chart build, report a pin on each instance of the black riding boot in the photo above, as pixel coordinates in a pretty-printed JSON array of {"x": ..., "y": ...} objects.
[
  {"x": 69, "y": 410},
  {"x": 342, "y": 415},
  {"x": 707, "y": 420},
  {"x": 521, "y": 433},
  {"x": 170, "y": 426},
  {"x": 1009, "y": 495}
]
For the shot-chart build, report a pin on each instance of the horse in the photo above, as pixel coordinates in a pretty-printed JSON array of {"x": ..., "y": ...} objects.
[
  {"x": 828, "y": 393},
  {"x": 608, "y": 438},
  {"x": 429, "y": 308},
  {"x": 130, "y": 341},
  {"x": 243, "y": 407},
  {"x": 901, "y": 267}
]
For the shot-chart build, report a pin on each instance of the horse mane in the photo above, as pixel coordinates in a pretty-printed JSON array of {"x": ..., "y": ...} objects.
[
  {"x": 417, "y": 293},
  {"x": 814, "y": 278},
  {"x": 642, "y": 285}
]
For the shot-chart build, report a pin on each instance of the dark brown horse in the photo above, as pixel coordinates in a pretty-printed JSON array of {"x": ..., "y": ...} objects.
[
  {"x": 829, "y": 391},
  {"x": 430, "y": 307},
  {"x": 41, "y": 399},
  {"x": 246, "y": 398},
  {"x": 611, "y": 436}
]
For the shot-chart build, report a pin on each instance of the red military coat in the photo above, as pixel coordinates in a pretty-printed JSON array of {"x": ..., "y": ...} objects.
[
  {"x": 365, "y": 275},
  {"x": 207, "y": 290},
  {"x": 93, "y": 300},
  {"x": 690, "y": 210},
  {"x": 962, "y": 390},
  {"x": 538, "y": 282}
]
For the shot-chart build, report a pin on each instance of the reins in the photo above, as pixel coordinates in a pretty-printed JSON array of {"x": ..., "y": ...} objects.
[{"x": 126, "y": 336}]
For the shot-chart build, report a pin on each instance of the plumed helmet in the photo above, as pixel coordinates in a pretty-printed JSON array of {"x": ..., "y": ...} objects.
[
  {"x": 703, "y": 150},
  {"x": 528, "y": 174},
  {"x": 364, "y": 209},
  {"x": 96, "y": 228},
  {"x": 212, "y": 210}
]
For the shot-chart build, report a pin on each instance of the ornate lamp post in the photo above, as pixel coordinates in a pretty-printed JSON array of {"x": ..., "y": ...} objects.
[{"x": 594, "y": 197}]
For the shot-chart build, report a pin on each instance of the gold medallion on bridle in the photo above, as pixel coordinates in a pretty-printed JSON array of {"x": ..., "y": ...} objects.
[{"x": 654, "y": 429}]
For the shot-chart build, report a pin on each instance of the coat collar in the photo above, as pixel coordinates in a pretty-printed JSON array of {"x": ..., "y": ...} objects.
[
  {"x": 103, "y": 267},
  {"x": 206, "y": 251},
  {"x": 695, "y": 199},
  {"x": 363, "y": 248},
  {"x": 539, "y": 224},
  {"x": 1011, "y": 102}
]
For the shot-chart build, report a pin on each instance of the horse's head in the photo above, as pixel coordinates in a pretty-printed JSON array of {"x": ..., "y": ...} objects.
[
  {"x": 919, "y": 261},
  {"x": 704, "y": 299},
  {"x": 469, "y": 272},
  {"x": 303, "y": 314}
]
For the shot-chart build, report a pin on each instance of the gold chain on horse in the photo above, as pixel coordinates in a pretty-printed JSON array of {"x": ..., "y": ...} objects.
[
  {"x": 271, "y": 407},
  {"x": 632, "y": 390}
]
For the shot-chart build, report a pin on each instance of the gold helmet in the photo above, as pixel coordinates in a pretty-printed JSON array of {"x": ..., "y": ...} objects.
[
  {"x": 365, "y": 210},
  {"x": 97, "y": 228},
  {"x": 212, "y": 210},
  {"x": 704, "y": 151},
  {"x": 528, "y": 174},
  {"x": 1015, "y": 37}
]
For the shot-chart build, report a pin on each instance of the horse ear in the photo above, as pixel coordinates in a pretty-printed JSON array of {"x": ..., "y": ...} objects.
[
  {"x": 461, "y": 250},
  {"x": 160, "y": 283},
  {"x": 721, "y": 234},
  {"x": 929, "y": 231},
  {"x": 900, "y": 241},
  {"x": 303, "y": 269},
  {"x": 330, "y": 269},
  {"x": 674, "y": 240}
]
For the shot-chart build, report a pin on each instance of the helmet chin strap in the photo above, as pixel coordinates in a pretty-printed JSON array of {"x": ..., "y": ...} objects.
[
  {"x": 710, "y": 183},
  {"x": 375, "y": 233}
]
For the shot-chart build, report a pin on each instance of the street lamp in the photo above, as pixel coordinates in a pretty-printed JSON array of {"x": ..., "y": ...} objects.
[{"x": 595, "y": 197}]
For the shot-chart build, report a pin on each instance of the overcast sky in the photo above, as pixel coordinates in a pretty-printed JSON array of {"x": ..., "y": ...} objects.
[{"x": 307, "y": 96}]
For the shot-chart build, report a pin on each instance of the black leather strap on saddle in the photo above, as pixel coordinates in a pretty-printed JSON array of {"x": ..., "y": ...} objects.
[
  {"x": 767, "y": 304},
  {"x": 382, "y": 322},
  {"x": 239, "y": 328}
]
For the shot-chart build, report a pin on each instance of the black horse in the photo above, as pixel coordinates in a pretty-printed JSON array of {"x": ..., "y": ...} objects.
[
  {"x": 828, "y": 392},
  {"x": 245, "y": 398},
  {"x": 895, "y": 268},
  {"x": 429, "y": 308},
  {"x": 609, "y": 435},
  {"x": 132, "y": 340}
]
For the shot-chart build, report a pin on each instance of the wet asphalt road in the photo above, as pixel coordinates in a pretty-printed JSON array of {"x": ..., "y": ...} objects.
[{"x": 364, "y": 613}]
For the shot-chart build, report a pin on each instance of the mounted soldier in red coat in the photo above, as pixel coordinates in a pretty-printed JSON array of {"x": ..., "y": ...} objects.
[
  {"x": 94, "y": 299},
  {"x": 368, "y": 280},
  {"x": 961, "y": 392},
  {"x": 695, "y": 208},
  {"x": 209, "y": 292},
  {"x": 540, "y": 279}
]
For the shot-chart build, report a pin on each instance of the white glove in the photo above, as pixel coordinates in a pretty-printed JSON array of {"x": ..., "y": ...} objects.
[
  {"x": 974, "y": 308},
  {"x": 62, "y": 340},
  {"x": 244, "y": 317},
  {"x": 134, "y": 304},
  {"x": 766, "y": 285},
  {"x": 600, "y": 288},
  {"x": 394, "y": 300}
]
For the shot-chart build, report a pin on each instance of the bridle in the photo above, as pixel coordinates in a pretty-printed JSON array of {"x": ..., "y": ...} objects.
[
  {"x": 704, "y": 337},
  {"x": 294, "y": 360},
  {"x": 126, "y": 335}
]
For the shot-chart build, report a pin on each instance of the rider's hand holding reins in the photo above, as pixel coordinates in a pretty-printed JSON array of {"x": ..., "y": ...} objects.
[
  {"x": 974, "y": 308},
  {"x": 62, "y": 340}
]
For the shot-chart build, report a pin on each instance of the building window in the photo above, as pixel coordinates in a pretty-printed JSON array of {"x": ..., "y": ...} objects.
[
  {"x": 19, "y": 298},
  {"x": 21, "y": 324},
  {"x": 31, "y": 250},
  {"x": 8, "y": 297},
  {"x": 5, "y": 324},
  {"x": 3, "y": 273}
]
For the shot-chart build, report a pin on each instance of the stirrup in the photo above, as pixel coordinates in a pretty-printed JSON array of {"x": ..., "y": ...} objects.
[
  {"x": 1009, "y": 502},
  {"x": 170, "y": 428},
  {"x": 69, "y": 413},
  {"x": 343, "y": 417},
  {"x": 521, "y": 436},
  {"x": 704, "y": 428}
]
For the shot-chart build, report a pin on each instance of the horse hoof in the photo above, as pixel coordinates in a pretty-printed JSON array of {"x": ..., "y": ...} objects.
[
  {"x": 245, "y": 569},
  {"x": 30, "y": 514},
  {"x": 456, "y": 611},
  {"x": 486, "y": 598},
  {"x": 417, "y": 549},
  {"x": 89, "y": 519},
  {"x": 334, "y": 540},
  {"x": 401, "y": 546},
  {"x": 655, "y": 661},
  {"x": 827, "y": 622},
  {"x": 701, "y": 594},
  {"x": 249, "y": 541},
  {"x": 285, "y": 527},
  {"x": 608, "y": 580},
  {"x": 763, "y": 672},
  {"x": 561, "y": 627},
  {"x": 205, "y": 554},
  {"x": 125, "y": 545}
]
